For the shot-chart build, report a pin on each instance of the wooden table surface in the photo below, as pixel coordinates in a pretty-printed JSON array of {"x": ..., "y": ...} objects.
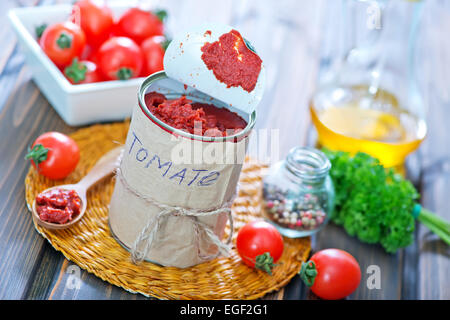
[{"x": 288, "y": 34}]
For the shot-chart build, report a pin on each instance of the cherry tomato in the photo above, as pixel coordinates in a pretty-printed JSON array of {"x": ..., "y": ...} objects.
[
  {"x": 153, "y": 55},
  {"x": 331, "y": 274},
  {"x": 139, "y": 24},
  {"x": 82, "y": 72},
  {"x": 260, "y": 245},
  {"x": 62, "y": 42},
  {"x": 96, "y": 20},
  {"x": 54, "y": 155},
  {"x": 120, "y": 58}
]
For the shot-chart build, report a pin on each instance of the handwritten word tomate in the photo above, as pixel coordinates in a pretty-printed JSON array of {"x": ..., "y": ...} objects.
[{"x": 152, "y": 161}]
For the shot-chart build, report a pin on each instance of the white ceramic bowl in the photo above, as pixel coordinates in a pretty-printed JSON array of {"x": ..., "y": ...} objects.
[{"x": 76, "y": 104}]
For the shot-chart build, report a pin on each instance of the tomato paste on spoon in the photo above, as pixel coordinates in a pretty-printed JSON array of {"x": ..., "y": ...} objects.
[{"x": 58, "y": 205}]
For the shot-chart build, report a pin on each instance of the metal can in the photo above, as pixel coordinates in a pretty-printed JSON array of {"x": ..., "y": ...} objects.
[{"x": 167, "y": 208}]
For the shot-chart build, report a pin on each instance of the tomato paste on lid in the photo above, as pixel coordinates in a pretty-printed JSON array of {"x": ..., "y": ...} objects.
[
  {"x": 195, "y": 118},
  {"x": 232, "y": 62},
  {"x": 58, "y": 205},
  {"x": 218, "y": 61}
]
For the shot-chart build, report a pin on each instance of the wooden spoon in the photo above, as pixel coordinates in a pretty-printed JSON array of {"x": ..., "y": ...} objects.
[{"x": 103, "y": 168}]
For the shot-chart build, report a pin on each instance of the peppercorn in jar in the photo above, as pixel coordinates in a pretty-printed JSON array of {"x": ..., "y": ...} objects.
[{"x": 298, "y": 193}]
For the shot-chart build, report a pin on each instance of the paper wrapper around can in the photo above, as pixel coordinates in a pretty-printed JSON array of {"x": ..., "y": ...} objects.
[{"x": 175, "y": 244}]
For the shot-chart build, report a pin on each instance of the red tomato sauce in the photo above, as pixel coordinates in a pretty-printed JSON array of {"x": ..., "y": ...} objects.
[
  {"x": 232, "y": 62},
  {"x": 195, "y": 118},
  {"x": 58, "y": 205}
]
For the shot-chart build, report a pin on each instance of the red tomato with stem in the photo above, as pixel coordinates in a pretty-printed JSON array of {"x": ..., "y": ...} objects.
[
  {"x": 54, "y": 155},
  {"x": 96, "y": 20},
  {"x": 260, "y": 245},
  {"x": 120, "y": 58},
  {"x": 331, "y": 274},
  {"x": 82, "y": 72},
  {"x": 153, "y": 55},
  {"x": 62, "y": 42},
  {"x": 139, "y": 24}
]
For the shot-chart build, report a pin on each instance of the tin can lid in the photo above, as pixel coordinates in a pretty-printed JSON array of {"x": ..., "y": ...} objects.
[{"x": 185, "y": 61}]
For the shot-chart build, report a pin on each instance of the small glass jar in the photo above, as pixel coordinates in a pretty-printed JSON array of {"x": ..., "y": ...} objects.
[{"x": 298, "y": 193}]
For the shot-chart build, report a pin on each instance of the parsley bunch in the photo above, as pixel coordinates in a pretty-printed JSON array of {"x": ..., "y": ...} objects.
[{"x": 376, "y": 204}]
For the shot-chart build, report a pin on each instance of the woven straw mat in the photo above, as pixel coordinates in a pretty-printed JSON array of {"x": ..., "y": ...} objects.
[{"x": 90, "y": 245}]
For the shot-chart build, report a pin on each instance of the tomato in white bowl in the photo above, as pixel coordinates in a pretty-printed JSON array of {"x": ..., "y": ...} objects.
[{"x": 78, "y": 103}]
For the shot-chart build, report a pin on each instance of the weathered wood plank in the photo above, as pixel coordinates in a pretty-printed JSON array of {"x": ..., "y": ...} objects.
[
  {"x": 367, "y": 255},
  {"x": 73, "y": 283},
  {"x": 45, "y": 271},
  {"x": 434, "y": 262},
  {"x": 91, "y": 286},
  {"x": 410, "y": 255},
  {"x": 7, "y": 37},
  {"x": 26, "y": 103},
  {"x": 30, "y": 268},
  {"x": 398, "y": 276},
  {"x": 291, "y": 51},
  {"x": 30, "y": 265},
  {"x": 24, "y": 116},
  {"x": 407, "y": 258},
  {"x": 434, "y": 259}
]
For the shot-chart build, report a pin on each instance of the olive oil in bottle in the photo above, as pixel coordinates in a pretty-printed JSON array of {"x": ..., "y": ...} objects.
[{"x": 351, "y": 119}]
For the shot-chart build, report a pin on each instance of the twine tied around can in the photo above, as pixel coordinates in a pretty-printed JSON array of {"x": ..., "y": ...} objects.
[{"x": 146, "y": 237}]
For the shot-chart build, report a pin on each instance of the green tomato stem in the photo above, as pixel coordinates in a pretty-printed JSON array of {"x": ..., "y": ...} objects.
[
  {"x": 64, "y": 41},
  {"x": 76, "y": 71},
  {"x": 124, "y": 73},
  {"x": 264, "y": 262},
  {"x": 308, "y": 272},
  {"x": 37, "y": 154},
  {"x": 40, "y": 30},
  {"x": 161, "y": 14}
]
